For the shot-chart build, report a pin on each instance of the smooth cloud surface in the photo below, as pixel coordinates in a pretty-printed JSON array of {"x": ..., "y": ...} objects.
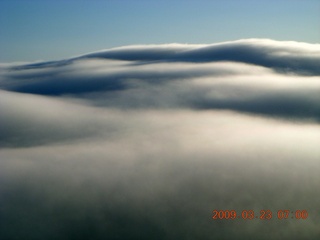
[{"x": 143, "y": 142}]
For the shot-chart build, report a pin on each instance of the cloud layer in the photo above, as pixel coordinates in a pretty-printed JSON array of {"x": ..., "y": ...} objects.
[
  {"x": 143, "y": 142},
  {"x": 255, "y": 76}
]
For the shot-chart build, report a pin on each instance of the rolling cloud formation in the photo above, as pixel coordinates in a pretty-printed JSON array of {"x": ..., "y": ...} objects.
[{"x": 143, "y": 142}]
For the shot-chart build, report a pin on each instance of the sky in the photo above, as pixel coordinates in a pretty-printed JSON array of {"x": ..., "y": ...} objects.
[
  {"x": 51, "y": 30},
  {"x": 139, "y": 119}
]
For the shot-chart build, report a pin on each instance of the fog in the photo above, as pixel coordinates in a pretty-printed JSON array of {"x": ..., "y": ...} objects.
[{"x": 144, "y": 142}]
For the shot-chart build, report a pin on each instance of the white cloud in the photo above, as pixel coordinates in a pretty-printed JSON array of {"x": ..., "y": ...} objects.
[{"x": 144, "y": 142}]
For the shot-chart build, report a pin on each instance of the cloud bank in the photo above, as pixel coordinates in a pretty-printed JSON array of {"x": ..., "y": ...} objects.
[
  {"x": 143, "y": 142},
  {"x": 255, "y": 76}
]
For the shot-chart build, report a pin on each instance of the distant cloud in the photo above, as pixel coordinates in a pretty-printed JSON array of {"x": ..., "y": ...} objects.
[
  {"x": 301, "y": 58},
  {"x": 257, "y": 76},
  {"x": 143, "y": 142}
]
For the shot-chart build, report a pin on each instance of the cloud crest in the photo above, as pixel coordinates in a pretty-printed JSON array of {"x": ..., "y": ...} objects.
[{"x": 256, "y": 76}]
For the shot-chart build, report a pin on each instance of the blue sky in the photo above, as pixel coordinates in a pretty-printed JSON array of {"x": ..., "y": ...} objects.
[{"x": 48, "y": 30}]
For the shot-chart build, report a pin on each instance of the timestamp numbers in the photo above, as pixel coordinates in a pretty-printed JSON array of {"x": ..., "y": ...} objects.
[{"x": 262, "y": 215}]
